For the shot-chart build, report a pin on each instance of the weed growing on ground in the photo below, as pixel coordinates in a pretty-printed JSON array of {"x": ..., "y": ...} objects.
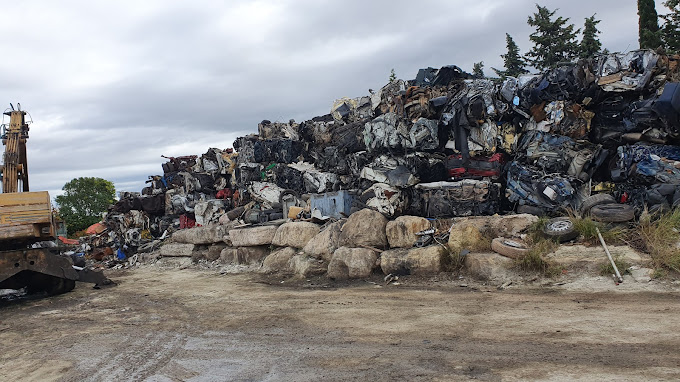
[
  {"x": 534, "y": 260},
  {"x": 472, "y": 243},
  {"x": 659, "y": 238},
  {"x": 659, "y": 273},
  {"x": 587, "y": 229},
  {"x": 607, "y": 268},
  {"x": 454, "y": 261},
  {"x": 535, "y": 231}
]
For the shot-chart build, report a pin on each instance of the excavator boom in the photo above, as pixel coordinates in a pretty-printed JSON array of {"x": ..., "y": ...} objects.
[{"x": 15, "y": 169}]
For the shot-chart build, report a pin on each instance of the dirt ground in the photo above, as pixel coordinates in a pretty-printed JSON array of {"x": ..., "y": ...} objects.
[{"x": 198, "y": 325}]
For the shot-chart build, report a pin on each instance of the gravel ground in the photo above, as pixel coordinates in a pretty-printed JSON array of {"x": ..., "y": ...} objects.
[{"x": 199, "y": 325}]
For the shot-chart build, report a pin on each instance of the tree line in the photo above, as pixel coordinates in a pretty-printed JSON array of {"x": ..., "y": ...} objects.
[{"x": 555, "y": 40}]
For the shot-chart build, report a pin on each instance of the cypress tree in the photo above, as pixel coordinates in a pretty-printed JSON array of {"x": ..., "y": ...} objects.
[{"x": 649, "y": 34}]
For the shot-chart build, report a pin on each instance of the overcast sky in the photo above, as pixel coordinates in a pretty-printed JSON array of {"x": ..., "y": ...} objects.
[{"x": 113, "y": 85}]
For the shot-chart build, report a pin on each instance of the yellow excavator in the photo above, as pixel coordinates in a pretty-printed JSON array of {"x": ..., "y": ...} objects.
[{"x": 26, "y": 220}]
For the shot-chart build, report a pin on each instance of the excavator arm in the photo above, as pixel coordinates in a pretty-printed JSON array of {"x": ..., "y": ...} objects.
[{"x": 15, "y": 168}]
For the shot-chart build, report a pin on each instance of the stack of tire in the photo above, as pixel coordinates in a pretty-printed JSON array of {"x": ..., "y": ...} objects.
[{"x": 603, "y": 208}]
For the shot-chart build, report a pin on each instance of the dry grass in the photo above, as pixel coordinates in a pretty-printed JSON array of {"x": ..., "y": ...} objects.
[
  {"x": 453, "y": 261},
  {"x": 534, "y": 260},
  {"x": 472, "y": 243},
  {"x": 659, "y": 238},
  {"x": 535, "y": 231},
  {"x": 587, "y": 229},
  {"x": 659, "y": 273}
]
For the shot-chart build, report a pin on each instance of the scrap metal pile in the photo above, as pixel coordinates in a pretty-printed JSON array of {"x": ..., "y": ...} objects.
[{"x": 445, "y": 144}]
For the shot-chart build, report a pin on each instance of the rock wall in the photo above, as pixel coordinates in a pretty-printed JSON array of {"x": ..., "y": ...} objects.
[{"x": 365, "y": 244}]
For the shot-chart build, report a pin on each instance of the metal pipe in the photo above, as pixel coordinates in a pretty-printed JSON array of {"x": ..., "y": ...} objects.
[{"x": 609, "y": 255}]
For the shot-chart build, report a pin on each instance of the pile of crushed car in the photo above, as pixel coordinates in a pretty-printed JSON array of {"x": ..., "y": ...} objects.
[{"x": 596, "y": 136}]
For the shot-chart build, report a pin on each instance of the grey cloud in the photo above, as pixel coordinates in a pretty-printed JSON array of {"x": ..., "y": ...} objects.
[{"x": 113, "y": 85}]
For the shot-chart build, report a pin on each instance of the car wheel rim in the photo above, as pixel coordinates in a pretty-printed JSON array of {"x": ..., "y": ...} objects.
[
  {"x": 559, "y": 226},
  {"x": 514, "y": 244}
]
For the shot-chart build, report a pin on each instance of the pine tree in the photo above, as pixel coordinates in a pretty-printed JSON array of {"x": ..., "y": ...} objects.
[
  {"x": 554, "y": 40},
  {"x": 670, "y": 31},
  {"x": 649, "y": 34},
  {"x": 590, "y": 44},
  {"x": 393, "y": 76},
  {"x": 478, "y": 69},
  {"x": 514, "y": 64}
]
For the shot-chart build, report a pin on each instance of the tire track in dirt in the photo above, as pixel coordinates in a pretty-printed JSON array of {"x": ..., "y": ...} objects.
[{"x": 137, "y": 359}]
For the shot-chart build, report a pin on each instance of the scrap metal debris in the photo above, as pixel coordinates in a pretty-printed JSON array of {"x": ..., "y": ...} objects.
[{"x": 441, "y": 145}]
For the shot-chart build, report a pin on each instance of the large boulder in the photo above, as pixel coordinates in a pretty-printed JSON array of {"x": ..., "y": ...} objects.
[
  {"x": 466, "y": 237},
  {"x": 593, "y": 258},
  {"x": 307, "y": 266},
  {"x": 214, "y": 251},
  {"x": 213, "y": 233},
  {"x": 253, "y": 236},
  {"x": 488, "y": 266},
  {"x": 352, "y": 263},
  {"x": 229, "y": 255},
  {"x": 177, "y": 250},
  {"x": 365, "y": 227},
  {"x": 498, "y": 225},
  {"x": 413, "y": 261},
  {"x": 244, "y": 255},
  {"x": 326, "y": 242},
  {"x": 511, "y": 225},
  {"x": 401, "y": 232},
  {"x": 295, "y": 234},
  {"x": 278, "y": 261},
  {"x": 200, "y": 252}
]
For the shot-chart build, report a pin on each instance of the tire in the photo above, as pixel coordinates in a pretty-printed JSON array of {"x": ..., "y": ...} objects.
[
  {"x": 676, "y": 202},
  {"x": 285, "y": 194},
  {"x": 509, "y": 248},
  {"x": 560, "y": 229},
  {"x": 613, "y": 213},
  {"x": 659, "y": 209},
  {"x": 595, "y": 200},
  {"x": 531, "y": 210}
]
